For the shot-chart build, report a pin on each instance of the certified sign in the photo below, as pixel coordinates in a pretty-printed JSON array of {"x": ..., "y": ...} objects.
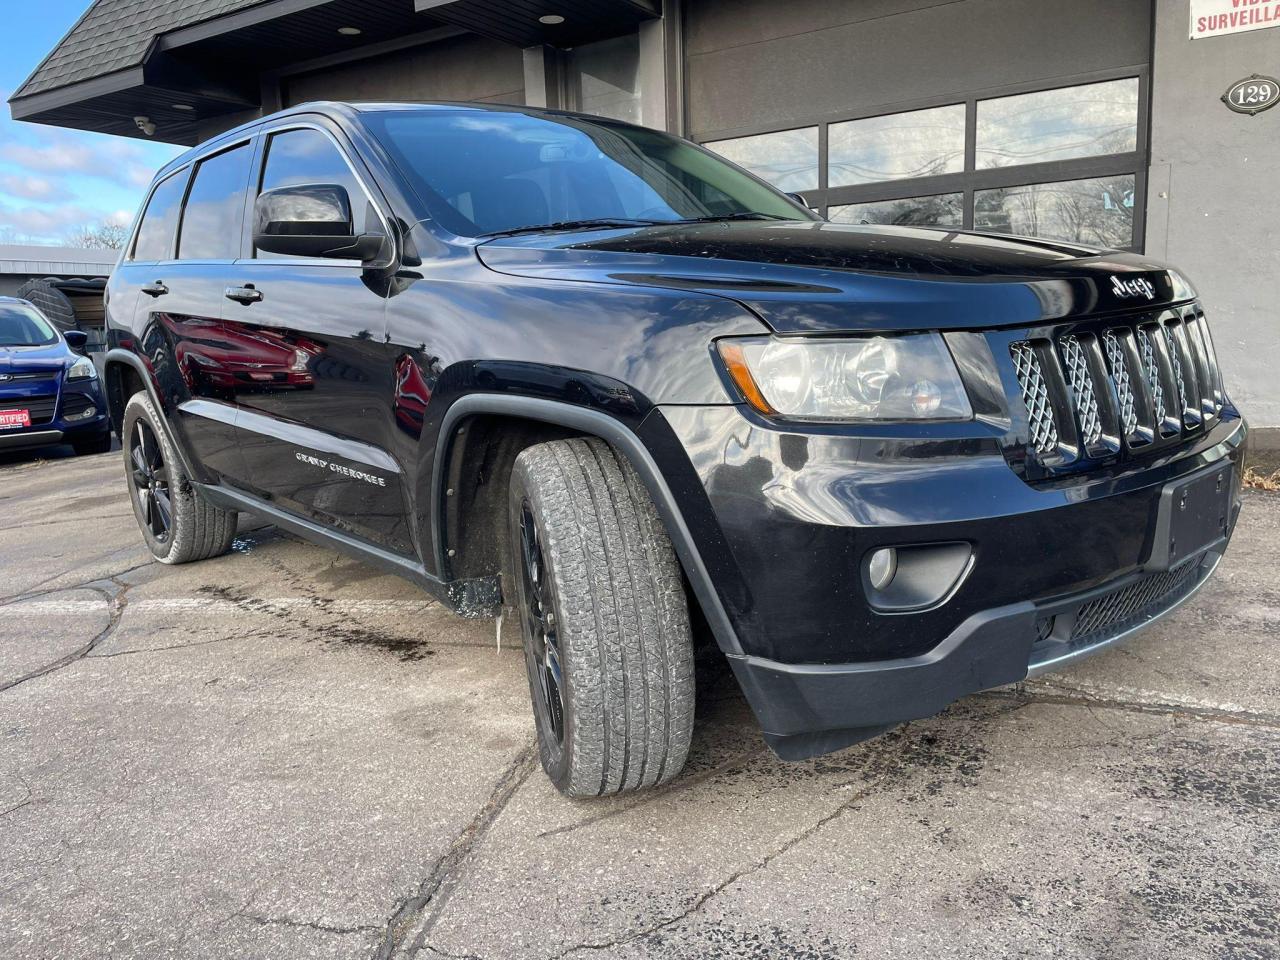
[
  {"x": 1214, "y": 18},
  {"x": 14, "y": 419},
  {"x": 1252, "y": 94}
]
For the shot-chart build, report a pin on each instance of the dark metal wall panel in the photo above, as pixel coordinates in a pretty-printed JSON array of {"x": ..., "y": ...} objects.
[
  {"x": 462, "y": 68},
  {"x": 516, "y": 21},
  {"x": 758, "y": 64}
]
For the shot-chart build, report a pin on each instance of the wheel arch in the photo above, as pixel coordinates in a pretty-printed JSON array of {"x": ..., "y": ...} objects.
[
  {"x": 125, "y": 374},
  {"x": 535, "y": 420}
]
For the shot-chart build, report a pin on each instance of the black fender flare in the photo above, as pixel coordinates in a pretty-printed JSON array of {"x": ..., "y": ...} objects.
[
  {"x": 118, "y": 355},
  {"x": 619, "y": 436}
]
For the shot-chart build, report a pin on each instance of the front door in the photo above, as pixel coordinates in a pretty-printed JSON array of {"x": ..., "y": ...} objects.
[{"x": 314, "y": 414}]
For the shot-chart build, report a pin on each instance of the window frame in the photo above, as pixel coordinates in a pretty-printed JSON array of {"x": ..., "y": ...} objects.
[{"x": 971, "y": 180}]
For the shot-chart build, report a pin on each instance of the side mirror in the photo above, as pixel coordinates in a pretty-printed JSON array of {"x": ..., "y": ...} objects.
[
  {"x": 800, "y": 199},
  {"x": 76, "y": 339},
  {"x": 310, "y": 220}
]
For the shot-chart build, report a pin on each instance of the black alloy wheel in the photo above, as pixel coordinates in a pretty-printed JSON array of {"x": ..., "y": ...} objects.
[
  {"x": 150, "y": 476},
  {"x": 541, "y": 627}
]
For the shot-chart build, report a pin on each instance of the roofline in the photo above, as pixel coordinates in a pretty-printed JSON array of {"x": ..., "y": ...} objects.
[{"x": 349, "y": 112}]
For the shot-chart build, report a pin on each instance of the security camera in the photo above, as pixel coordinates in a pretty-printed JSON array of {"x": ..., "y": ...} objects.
[{"x": 146, "y": 125}]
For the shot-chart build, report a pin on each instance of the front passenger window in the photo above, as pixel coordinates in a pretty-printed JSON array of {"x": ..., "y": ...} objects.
[{"x": 306, "y": 156}]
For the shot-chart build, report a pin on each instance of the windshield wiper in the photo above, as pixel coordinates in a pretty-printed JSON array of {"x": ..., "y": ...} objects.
[
  {"x": 575, "y": 225},
  {"x": 744, "y": 215}
]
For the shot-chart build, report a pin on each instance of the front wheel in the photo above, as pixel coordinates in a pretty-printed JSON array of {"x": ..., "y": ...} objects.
[
  {"x": 604, "y": 620},
  {"x": 177, "y": 525}
]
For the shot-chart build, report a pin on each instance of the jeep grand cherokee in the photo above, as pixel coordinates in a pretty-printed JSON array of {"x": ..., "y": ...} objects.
[{"x": 599, "y": 375}]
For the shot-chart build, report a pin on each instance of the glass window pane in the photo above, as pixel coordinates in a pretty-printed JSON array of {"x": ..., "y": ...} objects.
[
  {"x": 1087, "y": 121},
  {"x": 942, "y": 210},
  {"x": 212, "y": 217},
  {"x": 607, "y": 77},
  {"x": 921, "y": 143},
  {"x": 304, "y": 156},
  {"x": 155, "y": 233},
  {"x": 1098, "y": 212},
  {"x": 788, "y": 160}
]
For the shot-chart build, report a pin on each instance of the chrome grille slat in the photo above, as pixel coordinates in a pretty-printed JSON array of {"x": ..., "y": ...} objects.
[
  {"x": 1035, "y": 394},
  {"x": 1080, "y": 380},
  {"x": 1124, "y": 387},
  {"x": 1151, "y": 371},
  {"x": 1185, "y": 368}
]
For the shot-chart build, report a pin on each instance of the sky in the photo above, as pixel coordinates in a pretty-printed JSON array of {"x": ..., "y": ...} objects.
[{"x": 53, "y": 180}]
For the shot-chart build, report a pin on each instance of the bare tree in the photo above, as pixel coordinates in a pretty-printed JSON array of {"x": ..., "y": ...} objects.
[{"x": 107, "y": 236}]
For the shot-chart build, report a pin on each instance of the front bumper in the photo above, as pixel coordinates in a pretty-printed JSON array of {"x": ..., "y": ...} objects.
[
  {"x": 785, "y": 520},
  {"x": 69, "y": 423},
  {"x": 810, "y": 709}
]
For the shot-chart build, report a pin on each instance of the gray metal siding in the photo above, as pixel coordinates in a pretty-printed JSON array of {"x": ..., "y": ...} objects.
[
  {"x": 462, "y": 68},
  {"x": 1212, "y": 206},
  {"x": 755, "y": 64}
]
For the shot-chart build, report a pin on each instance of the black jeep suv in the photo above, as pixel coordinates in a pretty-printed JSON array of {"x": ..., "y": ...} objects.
[{"x": 597, "y": 374}]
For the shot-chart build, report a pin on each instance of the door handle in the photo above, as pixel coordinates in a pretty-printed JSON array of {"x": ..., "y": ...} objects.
[
  {"x": 156, "y": 289},
  {"x": 246, "y": 294}
]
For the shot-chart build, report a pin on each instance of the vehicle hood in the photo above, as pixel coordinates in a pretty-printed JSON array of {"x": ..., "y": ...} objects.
[
  {"x": 33, "y": 359},
  {"x": 812, "y": 277}
]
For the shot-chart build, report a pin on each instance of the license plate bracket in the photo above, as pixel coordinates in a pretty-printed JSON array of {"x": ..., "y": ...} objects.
[{"x": 1195, "y": 515}]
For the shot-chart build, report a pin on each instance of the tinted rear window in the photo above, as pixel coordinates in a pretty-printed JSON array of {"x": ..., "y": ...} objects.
[
  {"x": 160, "y": 221},
  {"x": 23, "y": 327},
  {"x": 214, "y": 210}
]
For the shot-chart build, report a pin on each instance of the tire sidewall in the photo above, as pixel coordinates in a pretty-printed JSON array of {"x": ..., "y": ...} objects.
[
  {"x": 556, "y": 758},
  {"x": 138, "y": 408}
]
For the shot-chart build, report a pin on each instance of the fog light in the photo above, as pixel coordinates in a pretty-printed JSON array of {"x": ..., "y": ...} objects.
[
  {"x": 882, "y": 566},
  {"x": 84, "y": 414}
]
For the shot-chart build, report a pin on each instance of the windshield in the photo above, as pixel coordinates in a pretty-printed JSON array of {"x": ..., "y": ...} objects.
[
  {"x": 23, "y": 327},
  {"x": 482, "y": 172}
]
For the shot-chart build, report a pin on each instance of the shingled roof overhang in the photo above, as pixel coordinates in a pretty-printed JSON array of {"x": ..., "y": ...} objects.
[{"x": 183, "y": 62}]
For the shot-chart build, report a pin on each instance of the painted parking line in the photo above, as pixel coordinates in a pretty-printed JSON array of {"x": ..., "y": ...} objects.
[{"x": 63, "y": 608}]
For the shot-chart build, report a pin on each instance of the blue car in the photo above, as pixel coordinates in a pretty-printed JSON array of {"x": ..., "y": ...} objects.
[{"x": 49, "y": 394}]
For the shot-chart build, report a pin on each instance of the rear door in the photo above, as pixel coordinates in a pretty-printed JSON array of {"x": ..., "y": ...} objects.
[
  {"x": 188, "y": 238},
  {"x": 314, "y": 421}
]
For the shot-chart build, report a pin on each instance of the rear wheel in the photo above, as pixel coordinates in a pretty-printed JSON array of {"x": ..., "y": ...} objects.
[
  {"x": 604, "y": 619},
  {"x": 177, "y": 525}
]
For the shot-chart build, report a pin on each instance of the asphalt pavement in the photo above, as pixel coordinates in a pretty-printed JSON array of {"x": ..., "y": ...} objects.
[{"x": 283, "y": 753}]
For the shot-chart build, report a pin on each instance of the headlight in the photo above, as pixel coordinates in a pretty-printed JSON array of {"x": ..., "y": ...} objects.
[
  {"x": 869, "y": 378},
  {"x": 82, "y": 369}
]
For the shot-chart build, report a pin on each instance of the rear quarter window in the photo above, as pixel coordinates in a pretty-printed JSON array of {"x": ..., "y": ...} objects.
[{"x": 160, "y": 220}]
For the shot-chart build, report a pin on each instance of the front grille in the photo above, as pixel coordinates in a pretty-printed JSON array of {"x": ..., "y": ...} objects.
[
  {"x": 40, "y": 409},
  {"x": 1114, "y": 612},
  {"x": 1089, "y": 394}
]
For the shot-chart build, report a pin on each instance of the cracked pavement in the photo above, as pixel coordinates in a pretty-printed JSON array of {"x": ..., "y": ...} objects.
[{"x": 282, "y": 753}]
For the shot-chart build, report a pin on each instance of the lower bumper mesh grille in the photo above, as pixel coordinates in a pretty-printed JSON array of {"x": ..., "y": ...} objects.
[{"x": 1116, "y": 611}]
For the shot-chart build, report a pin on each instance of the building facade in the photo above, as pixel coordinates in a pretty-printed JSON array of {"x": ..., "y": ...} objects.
[{"x": 1098, "y": 121}]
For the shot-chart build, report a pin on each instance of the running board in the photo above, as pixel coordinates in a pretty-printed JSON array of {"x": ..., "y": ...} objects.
[{"x": 476, "y": 598}]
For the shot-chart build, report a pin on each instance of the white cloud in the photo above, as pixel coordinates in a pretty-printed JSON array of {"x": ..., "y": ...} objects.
[
  {"x": 50, "y": 224},
  {"x": 119, "y": 161},
  {"x": 28, "y": 187}
]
